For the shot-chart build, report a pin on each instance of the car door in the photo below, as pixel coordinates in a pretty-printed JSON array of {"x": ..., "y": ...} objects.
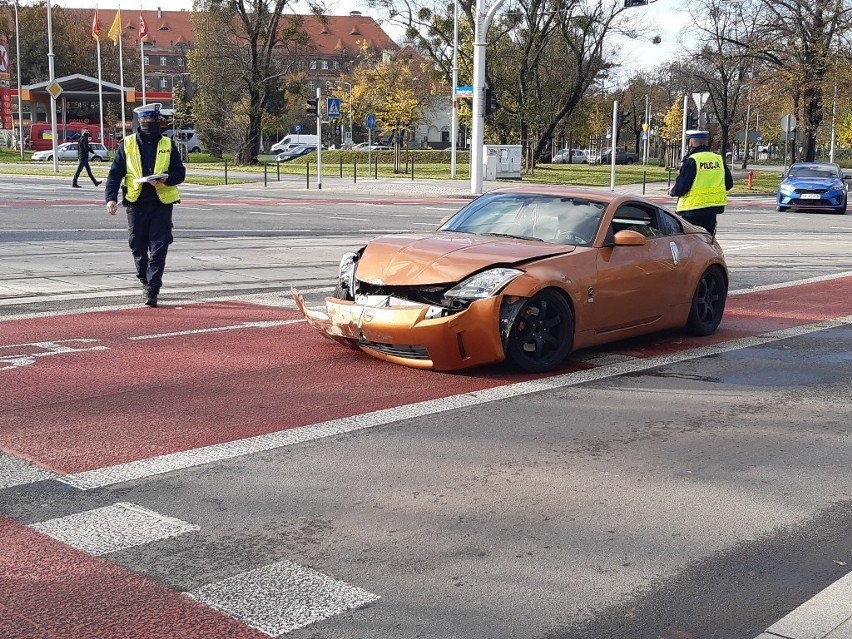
[
  {"x": 635, "y": 284},
  {"x": 69, "y": 152}
]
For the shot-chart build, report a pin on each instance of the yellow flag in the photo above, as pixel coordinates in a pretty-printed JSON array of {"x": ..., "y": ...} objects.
[{"x": 115, "y": 30}]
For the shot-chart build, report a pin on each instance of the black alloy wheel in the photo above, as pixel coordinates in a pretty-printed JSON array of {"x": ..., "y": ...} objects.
[
  {"x": 542, "y": 334},
  {"x": 708, "y": 303}
]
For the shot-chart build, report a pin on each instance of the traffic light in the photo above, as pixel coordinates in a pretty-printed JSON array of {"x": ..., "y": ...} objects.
[
  {"x": 634, "y": 3},
  {"x": 624, "y": 120},
  {"x": 491, "y": 101},
  {"x": 691, "y": 120},
  {"x": 311, "y": 106}
]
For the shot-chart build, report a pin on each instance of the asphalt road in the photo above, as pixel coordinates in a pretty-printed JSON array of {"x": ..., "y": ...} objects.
[{"x": 215, "y": 468}]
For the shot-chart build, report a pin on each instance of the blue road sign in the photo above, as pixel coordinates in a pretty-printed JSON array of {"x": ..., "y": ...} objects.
[
  {"x": 464, "y": 90},
  {"x": 332, "y": 107},
  {"x": 371, "y": 121},
  {"x": 297, "y": 128}
]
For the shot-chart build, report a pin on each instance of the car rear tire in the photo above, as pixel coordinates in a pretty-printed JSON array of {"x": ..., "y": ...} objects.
[
  {"x": 628, "y": 161},
  {"x": 542, "y": 334},
  {"x": 708, "y": 303}
]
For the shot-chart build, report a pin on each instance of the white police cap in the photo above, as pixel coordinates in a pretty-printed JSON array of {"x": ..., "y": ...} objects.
[
  {"x": 695, "y": 134},
  {"x": 151, "y": 110}
]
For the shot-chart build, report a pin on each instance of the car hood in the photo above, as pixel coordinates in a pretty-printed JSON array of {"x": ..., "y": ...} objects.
[
  {"x": 811, "y": 182},
  {"x": 444, "y": 257}
]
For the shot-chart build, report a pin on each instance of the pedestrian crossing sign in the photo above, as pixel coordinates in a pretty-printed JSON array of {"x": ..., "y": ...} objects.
[{"x": 332, "y": 106}]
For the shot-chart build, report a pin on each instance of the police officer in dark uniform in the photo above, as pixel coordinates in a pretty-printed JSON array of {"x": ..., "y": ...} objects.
[
  {"x": 84, "y": 150},
  {"x": 147, "y": 167},
  {"x": 702, "y": 183}
]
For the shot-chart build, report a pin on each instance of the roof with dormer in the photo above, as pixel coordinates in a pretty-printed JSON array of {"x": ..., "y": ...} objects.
[{"x": 327, "y": 34}]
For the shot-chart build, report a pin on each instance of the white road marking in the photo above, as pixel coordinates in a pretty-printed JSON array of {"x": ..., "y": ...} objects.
[
  {"x": 268, "y": 213},
  {"x": 841, "y": 228},
  {"x": 111, "y": 528},
  {"x": 17, "y": 472},
  {"x": 194, "y": 208},
  {"x": 432, "y": 224},
  {"x": 218, "y": 329},
  {"x": 28, "y": 353},
  {"x": 343, "y": 217},
  {"x": 143, "y": 468},
  {"x": 755, "y": 224},
  {"x": 773, "y": 287},
  {"x": 744, "y": 247},
  {"x": 282, "y": 597},
  {"x": 383, "y": 230},
  {"x": 827, "y": 614}
]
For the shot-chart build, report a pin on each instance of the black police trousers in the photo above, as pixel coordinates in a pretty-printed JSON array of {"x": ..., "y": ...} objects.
[
  {"x": 150, "y": 227},
  {"x": 705, "y": 218}
]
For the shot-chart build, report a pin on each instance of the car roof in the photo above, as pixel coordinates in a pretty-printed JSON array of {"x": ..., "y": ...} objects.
[{"x": 833, "y": 165}]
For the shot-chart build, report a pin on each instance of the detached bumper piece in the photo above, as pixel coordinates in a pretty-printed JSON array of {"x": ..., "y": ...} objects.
[{"x": 410, "y": 334}]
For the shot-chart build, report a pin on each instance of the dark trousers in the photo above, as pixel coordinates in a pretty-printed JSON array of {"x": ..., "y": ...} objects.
[
  {"x": 150, "y": 226},
  {"x": 704, "y": 219},
  {"x": 83, "y": 163}
]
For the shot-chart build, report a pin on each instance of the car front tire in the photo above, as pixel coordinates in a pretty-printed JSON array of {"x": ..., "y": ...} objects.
[
  {"x": 782, "y": 209},
  {"x": 708, "y": 303},
  {"x": 542, "y": 334}
]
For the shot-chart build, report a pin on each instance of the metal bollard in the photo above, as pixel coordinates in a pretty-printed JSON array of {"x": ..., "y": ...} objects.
[
  {"x": 341, "y": 165},
  {"x": 264, "y": 173},
  {"x": 376, "y": 174},
  {"x": 412, "y": 167},
  {"x": 278, "y": 169},
  {"x": 307, "y": 175},
  {"x": 644, "y": 173},
  {"x": 226, "y": 170},
  {"x": 354, "y": 170}
]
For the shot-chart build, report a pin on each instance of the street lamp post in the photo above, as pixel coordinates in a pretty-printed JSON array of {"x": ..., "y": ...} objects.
[
  {"x": 454, "y": 120},
  {"x": 483, "y": 20},
  {"x": 349, "y": 88},
  {"x": 18, "y": 68},
  {"x": 53, "y": 131}
]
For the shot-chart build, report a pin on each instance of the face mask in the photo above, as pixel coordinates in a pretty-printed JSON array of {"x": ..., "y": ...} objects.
[{"x": 150, "y": 128}]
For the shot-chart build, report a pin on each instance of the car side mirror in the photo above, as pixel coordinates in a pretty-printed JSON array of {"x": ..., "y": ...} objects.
[
  {"x": 629, "y": 238},
  {"x": 847, "y": 176}
]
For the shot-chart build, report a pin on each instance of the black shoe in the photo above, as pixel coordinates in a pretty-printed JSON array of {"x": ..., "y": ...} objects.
[
  {"x": 76, "y": 186},
  {"x": 98, "y": 182},
  {"x": 151, "y": 300}
]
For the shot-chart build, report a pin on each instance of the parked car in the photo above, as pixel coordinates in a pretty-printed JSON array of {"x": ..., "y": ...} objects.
[
  {"x": 576, "y": 156},
  {"x": 622, "y": 156},
  {"x": 68, "y": 151},
  {"x": 526, "y": 275},
  {"x": 288, "y": 142},
  {"x": 363, "y": 146},
  {"x": 295, "y": 152},
  {"x": 813, "y": 185}
]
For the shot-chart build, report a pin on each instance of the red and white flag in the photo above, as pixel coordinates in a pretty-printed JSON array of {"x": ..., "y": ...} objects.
[
  {"x": 96, "y": 27},
  {"x": 143, "y": 29}
]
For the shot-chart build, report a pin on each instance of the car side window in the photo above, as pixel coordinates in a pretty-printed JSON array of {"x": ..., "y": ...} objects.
[
  {"x": 668, "y": 223},
  {"x": 635, "y": 216}
]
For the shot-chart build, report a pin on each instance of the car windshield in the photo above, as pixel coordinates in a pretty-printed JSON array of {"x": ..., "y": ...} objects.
[
  {"x": 548, "y": 218},
  {"x": 823, "y": 171}
]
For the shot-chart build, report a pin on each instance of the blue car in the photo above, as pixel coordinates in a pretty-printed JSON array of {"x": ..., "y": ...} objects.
[{"x": 813, "y": 185}]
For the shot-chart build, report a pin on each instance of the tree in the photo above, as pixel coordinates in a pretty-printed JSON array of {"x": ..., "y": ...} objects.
[{"x": 240, "y": 56}]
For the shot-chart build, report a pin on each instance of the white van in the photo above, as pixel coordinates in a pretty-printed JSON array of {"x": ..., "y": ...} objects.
[
  {"x": 187, "y": 136},
  {"x": 295, "y": 139}
]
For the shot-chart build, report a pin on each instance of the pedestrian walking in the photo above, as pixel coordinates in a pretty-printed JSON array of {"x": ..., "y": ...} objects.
[
  {"x": 147, "y": 168},
  {"x": 703, "y": 182},
  {"x": 84, "y": 150}
]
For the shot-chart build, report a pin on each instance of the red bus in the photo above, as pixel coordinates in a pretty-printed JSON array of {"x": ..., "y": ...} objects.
[{"x": 41, "y": 137}]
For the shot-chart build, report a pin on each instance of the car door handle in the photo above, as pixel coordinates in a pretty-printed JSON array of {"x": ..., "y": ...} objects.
[{"x": 675, "y": 253}]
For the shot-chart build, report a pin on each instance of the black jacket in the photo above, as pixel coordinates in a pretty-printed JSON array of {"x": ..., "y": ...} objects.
[{"x": 84, "y": 149}]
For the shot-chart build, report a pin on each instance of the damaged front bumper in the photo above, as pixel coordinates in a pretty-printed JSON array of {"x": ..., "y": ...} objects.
[{"x": 413, "y": 334}]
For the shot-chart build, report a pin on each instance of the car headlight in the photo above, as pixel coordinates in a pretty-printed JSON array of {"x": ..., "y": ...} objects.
[
  {"x": 838, "y": 186},
  {"x": 787, "y": 189},
  {"x": 346, "y": 274},
  {"x": 483, "y": 284}
]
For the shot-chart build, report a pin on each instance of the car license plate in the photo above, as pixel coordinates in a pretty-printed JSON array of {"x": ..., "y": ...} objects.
[{"x": 810, "y": 196}]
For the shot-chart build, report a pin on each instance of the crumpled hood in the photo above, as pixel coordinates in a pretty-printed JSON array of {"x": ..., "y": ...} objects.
[{"x": 444, "y": 257}]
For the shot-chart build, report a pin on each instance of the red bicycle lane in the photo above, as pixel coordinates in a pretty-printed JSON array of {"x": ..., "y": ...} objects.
[{"x": 175, "y": 379}]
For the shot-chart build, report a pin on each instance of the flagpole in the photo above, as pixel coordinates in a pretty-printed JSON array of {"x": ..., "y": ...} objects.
[
  {"x": 121, "y": 77},
  {"x": 142, "y": 59},
  {"x": 100, "y": 82}
]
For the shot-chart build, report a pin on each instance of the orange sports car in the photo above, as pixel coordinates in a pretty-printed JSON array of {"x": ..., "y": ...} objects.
[{"x": 526, "y": 274}]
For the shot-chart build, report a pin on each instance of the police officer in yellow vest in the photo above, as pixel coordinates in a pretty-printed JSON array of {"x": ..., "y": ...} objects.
[
  {"x": 702, "y": 183},
  {"x": 147, "y": 168}
]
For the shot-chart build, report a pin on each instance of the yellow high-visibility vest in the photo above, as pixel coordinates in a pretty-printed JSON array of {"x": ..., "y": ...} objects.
[
  {"x": 133, "y": 156},
  {"x": 708, "y": 189}
]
